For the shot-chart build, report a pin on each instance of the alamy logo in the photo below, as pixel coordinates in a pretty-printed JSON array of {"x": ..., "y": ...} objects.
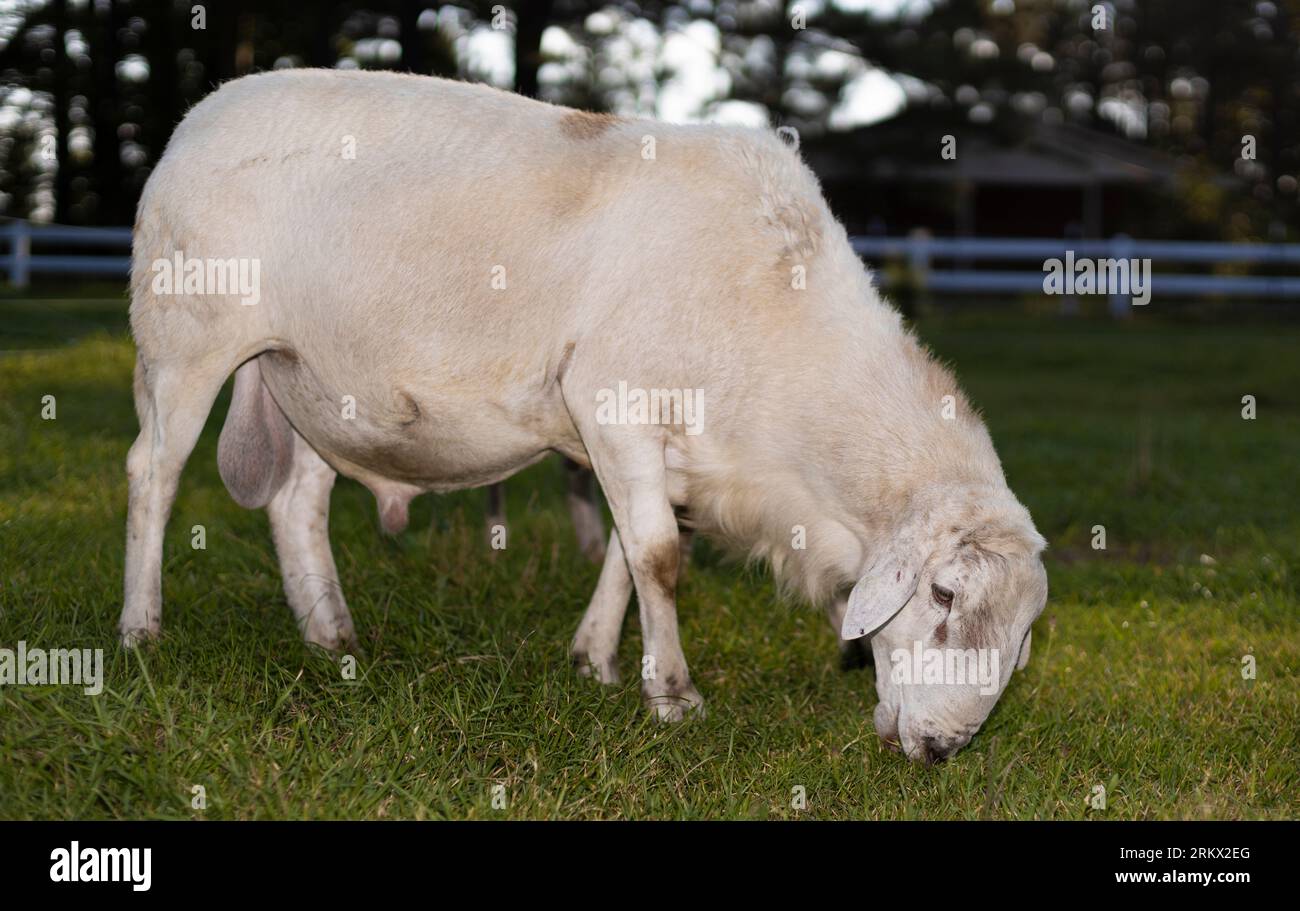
[
  {"x": 1128, "y": 277},
  {"x": 49, "y": 667},
  {"x": 946, "y": 666},
  {"x": 654, "y": 406},
  {"x": 76, "y": 864},
  {"x": 236, "y": 275}
]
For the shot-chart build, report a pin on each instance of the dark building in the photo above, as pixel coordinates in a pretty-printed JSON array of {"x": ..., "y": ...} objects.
[{"x": 1038, "y": 180}]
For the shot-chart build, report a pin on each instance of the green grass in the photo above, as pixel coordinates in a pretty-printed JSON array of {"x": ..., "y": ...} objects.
[{"x": 1135, "y": 681}]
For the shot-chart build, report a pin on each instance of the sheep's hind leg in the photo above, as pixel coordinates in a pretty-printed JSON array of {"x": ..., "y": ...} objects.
[
  {"x": 172, "y": 402},
  {"x": 584, "y": 509},
  {"x": 299, "y": 514}
]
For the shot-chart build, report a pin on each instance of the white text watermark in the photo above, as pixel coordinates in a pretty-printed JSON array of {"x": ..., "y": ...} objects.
[
  {"x": 1126, "y": 277},
  {"x": 633, "y": 405},
  {"x": 947, "y": 666},
  {"x": 237, "y": 275},
  {"x": 75, "y": 864},
  {"x": 25, "y": 666}
]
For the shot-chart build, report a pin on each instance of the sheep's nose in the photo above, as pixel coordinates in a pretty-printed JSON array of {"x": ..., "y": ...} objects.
[{"x": 934, "y": 751}]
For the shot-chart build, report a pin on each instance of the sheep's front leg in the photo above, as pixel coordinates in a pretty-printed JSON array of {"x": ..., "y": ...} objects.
[
  {"x": 634, "y": 481},
  {"x": 595, "y": 645}
]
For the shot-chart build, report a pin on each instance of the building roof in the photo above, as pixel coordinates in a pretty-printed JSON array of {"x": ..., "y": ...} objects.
[{"x": 1047, "y": 155}]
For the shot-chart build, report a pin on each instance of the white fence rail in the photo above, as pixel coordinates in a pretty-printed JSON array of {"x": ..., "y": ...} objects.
[
  {"x": 21, "y": 263},
  {"x": 918, "y": 251},
  {"x": 915, "y": 254}
]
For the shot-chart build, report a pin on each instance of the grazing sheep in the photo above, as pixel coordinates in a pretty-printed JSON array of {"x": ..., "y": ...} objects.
[{"x": 456, "y": 281}]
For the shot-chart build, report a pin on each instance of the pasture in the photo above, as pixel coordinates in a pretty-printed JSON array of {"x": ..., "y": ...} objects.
[{"x": 464, "y": 685}]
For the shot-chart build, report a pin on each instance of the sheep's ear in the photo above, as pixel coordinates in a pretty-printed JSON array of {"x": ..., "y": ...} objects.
[
  {"x": 881, "y": 593},
  {"x": 1024, "y": 651}
]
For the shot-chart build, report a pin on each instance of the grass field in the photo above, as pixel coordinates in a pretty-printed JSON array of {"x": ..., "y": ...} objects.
[{"x": 1135, "y": 684}]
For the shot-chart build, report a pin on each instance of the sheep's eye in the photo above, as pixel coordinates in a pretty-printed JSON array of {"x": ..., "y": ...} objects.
[{"x": 942, "y": 596}]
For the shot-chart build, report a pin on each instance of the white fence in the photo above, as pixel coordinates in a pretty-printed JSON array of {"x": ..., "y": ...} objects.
[
  {"x": 918, "y": 251},
  {"x": 915, "y": 254},
  {"x": 21, "y": 263}
]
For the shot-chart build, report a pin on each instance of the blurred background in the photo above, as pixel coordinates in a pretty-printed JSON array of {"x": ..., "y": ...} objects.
[{"x": 1069, "y": 118}]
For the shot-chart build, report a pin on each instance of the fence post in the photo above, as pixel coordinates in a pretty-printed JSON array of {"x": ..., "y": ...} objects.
[
  {"x": 918, "y": 242},
  {"x": 20, "y": 253},
  {"x": 1121, "y": 304}
]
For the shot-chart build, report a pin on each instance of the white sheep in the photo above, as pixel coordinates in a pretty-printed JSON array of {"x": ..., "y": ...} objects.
[{"x": 453, "y": 282}]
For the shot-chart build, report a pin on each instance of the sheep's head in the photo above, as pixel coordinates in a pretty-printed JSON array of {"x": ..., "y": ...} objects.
[{"x": 948, "y": 605}]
